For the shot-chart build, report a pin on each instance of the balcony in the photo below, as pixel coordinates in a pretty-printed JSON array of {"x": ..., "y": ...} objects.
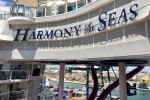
[
  {"x": 17, "y": 95},
  {"x": 20, "y": 14},
  {"x": 13, "y": 76},
  {"x": 4, "y": 96},
  {"x": 14, "y": 95}
]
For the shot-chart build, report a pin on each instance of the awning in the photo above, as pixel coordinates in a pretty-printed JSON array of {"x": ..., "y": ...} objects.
[
  {"x": 35, "y": 3},
  {"x": 29, "y": 3}
]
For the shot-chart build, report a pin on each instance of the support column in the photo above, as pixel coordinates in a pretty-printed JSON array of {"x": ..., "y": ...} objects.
[
  {"x": 66, "y": 7},
  {"x": 87, "y": 83},
  {"x": 122, "y": 81},
  {"x": 45, "y": 11},
  {"x": 86, "y": 2},
  {"x": 35, "y": 13},
  {"x": 61, "y": 81},
  {"x": 76, "y": 4}
]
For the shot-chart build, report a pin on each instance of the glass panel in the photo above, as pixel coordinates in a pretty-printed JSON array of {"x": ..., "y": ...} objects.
[
  {"x": 17, "y": 95},
  {"x": 61, "y": 9},
  {"x": 20, "y": 9},
  {"x": 80, "y": 4},
  {"x": 15, "y": 67},
  {"x": 14, "y": 9},
  {"x": 1, "y": 66},
  {"x": 5, "y": 75},
  {"x": 20, "y": 75},
  {"x": 71, "y": 8},
  {"x": 3, "y": 96}
]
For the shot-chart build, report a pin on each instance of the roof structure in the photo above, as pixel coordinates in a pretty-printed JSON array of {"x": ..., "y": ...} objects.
[{"x": 35, "y": 3}]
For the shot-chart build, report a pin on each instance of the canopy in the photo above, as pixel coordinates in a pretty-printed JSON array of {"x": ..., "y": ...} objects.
[
  {"x": 35, "y": 3},
  {"x": 29, "y": 3}
]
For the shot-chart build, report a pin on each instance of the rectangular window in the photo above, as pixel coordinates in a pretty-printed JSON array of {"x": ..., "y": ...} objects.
[{"x": 1, "y": 66}]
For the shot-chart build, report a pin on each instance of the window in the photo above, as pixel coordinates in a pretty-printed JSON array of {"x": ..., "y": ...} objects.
[{"x": 1, "y": 66}]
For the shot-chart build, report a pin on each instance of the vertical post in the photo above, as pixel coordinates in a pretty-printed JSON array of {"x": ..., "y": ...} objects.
[
  {"x": 31, "y": 71},
  {"x": 86, "y": 2},
  {"x": 61, "y": 81},
  {"x": 76, "y": 4},
  {"x": 3, "y": 15},
  {"x": 35, "y": 12},
  {"x": 109, "y": 79},
  {"x": 87, "y": 84},
  {"x": 45, "y": 11},
  {"x": 24, "y": 11},
  {"x": 66, "y": 7},
  {"x": 122, "y": 81},
  {"x": 10, "y": 78},
  {"x": 102, "y": 78}
]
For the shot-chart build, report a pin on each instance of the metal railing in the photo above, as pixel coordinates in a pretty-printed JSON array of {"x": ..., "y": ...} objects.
[
  {"x": 4, "y": 16},
  {"x": 17, "y": 95},
  {"x": 21, "y": 10},
  {"x": 14, "y": 74},
  {"x": 3, "y": 96},
  {"x": 14, "y": 95}
]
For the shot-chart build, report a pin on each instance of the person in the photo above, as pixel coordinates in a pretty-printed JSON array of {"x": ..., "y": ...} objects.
[{"x": 39, "y": 14}]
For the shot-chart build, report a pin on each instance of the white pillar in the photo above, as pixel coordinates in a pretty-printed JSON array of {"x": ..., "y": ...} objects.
[
  {"x": 86, "y": 2},
  {"x": 122, "y": 81},
  {"x": 35, "y": 12},
  {"x": 61, "y": 81},
  {"x": 66, "y": 7},
  {"x": 45, "y": 11},
  {"x": 76, "y": 4}
]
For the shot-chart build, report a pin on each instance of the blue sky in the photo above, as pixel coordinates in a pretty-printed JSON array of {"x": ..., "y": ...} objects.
[
  {"x": 4, "y": 5},
  {"x": 9, "y": 2}
]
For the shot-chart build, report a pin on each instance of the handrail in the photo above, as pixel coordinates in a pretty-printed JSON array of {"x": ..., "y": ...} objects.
[
  {"x": 21, "y": 10},
  {"x": 14, "y": 74}
]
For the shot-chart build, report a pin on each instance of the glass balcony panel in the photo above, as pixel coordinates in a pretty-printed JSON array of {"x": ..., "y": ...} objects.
[
  {"x": 81, "y": 4},
  {"x": 61, "y": 10},
  {"x": 3, "y": 96},
  {"x": 21, "y": 10},
  {"x": 14, "y": 10},
  {"x": 17, "y": 95},
  {"x": 19, "y": 75},
  {"x": 71, "y": 8},
  {"x": 5, "y": 75}
]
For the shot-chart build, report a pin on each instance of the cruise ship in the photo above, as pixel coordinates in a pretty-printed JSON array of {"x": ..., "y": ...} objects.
[{"x": 62, "y": 32}]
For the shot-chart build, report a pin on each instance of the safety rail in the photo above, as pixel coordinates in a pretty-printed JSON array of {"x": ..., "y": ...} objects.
[
  {"x": 23, "y": 11},
  {"x": 14, "y": 95},
  {"x": 15, "y": 74},
  {"x": 4, "y": 16},
  {"x": 17, "y": 95}
]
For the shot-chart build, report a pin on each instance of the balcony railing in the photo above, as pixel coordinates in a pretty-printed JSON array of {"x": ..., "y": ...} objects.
[
  {"x": 4, "y": 16},
  {"x": 15, "y": 74},
  {"x": 14, "y": 95},
  {"x": 44, "y": 11},
  {"x": 17, "y": 95},
  {"x": 21, "y": 10},
  {"x": 4, "y": 96}
]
